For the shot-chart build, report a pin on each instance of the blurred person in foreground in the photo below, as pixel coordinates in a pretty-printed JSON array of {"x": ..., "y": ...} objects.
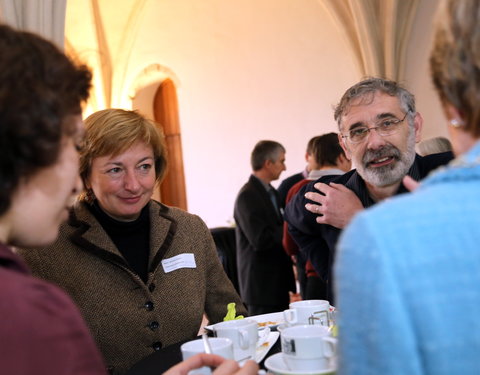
[
  {"x": 378, "y": 127},
  {"x": 328, "y": 158},
  {"x": 41, "y": 92},
  {"x": 407, "y": 271},
  {"x": 142, "y": 273}
]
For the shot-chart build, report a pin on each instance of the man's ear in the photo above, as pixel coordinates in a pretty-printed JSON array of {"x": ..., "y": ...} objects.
[
  {"x": 343, "y": 163},
  {"x": 341, "y": 140},
  {"x": 418, "y": 124}
]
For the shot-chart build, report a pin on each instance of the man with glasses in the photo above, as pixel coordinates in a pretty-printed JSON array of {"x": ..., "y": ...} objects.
[{"x": 378, "y": 128}]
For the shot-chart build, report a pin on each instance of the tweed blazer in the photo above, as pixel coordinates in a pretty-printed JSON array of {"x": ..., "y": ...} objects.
[{"x": 130, "y": 319}]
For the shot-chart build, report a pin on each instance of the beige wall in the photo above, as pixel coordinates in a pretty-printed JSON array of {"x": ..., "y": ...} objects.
[
  {"x": 246, "y": 70},
  {"x": 418, "y": 74}
]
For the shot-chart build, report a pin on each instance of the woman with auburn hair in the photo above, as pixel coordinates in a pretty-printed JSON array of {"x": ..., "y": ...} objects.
[
  {"x": 41, "y": 130},
  {"x": 142, "y": 273},
  {"x": 407, "y": 272}
]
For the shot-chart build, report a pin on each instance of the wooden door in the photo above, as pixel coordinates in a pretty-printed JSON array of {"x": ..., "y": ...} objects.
[{"x": 165, "y": 110}]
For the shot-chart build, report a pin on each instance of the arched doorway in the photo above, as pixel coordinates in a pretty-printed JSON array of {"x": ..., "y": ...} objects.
[{"x": 165, "y": 111}]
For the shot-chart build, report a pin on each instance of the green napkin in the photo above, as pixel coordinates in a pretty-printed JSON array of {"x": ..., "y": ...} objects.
[{"x": 231, "y": 312}]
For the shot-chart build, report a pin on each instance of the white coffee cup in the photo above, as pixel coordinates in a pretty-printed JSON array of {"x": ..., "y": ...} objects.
[
  {"x": 244, "y": 335},
  {"x": 308, "y": 347},
  {"x": 220, "y": 346},
  {"x": 314, "y": 311}
]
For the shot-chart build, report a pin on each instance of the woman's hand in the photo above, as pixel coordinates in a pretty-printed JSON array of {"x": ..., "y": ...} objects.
[
  {"x": 222, "y": 366},
  {"x": 410, "y": 183}
]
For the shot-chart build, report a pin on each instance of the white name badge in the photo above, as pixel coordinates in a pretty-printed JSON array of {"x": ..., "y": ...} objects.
[{"x": 179, "y": 261}]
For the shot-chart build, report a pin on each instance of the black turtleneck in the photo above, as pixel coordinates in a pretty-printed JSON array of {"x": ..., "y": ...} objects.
[{"x": 132, "y": 238}]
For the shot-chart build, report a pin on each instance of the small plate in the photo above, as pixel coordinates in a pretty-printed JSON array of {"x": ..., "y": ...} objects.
[
  {"x": 271, "y": 320},
  {"x": 263, "y": 349},
  {"x": 276, "y": 364}
]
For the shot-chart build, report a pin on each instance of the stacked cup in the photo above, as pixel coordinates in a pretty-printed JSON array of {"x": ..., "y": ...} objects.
[
  {"x": 307, "y": 348},
  {"x": 307, "y": 344},
  {"x": 244, "y": 335},
  {"x": 220, "y": 346},
  {"x": 314, "y": 311}
]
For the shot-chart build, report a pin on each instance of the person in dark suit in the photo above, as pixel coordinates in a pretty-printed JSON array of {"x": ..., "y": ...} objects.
[{"x": 264, "y": 269}]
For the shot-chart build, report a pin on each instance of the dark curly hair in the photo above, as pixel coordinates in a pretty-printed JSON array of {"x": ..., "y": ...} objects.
[{"x": 40, "y": 92}]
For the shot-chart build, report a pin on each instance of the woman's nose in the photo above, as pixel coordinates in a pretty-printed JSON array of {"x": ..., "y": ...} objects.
[{"x": 130, "y": 181}]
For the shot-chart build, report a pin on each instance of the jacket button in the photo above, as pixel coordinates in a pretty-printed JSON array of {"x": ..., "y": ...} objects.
[
  {"x": 151, "y": 287},
  {"x": 153, "y": 325},
  {"x": 149, "y": 305},
  {"x": 157, "y": 346}
]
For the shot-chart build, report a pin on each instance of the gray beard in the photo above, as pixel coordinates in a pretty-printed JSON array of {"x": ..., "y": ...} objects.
[{"x": 392, "y": 173}]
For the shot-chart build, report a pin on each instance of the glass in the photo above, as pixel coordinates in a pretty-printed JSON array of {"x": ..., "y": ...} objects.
[{"x": 383, "y": 127}]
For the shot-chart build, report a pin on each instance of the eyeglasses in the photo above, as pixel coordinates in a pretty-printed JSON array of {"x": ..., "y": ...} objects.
[{"x": 384, "y": 127}]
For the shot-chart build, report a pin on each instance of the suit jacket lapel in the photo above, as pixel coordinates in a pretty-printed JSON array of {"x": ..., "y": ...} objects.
[{"x": 266, "y": 197}]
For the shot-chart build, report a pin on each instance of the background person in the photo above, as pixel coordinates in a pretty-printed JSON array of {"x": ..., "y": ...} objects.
[
  {"x": 141, "y": 272},
  {"x": 379, "y": 126},
  {"x": 328, "y": 159},
  {"x": 289, "y": 244},
  {"x": 265, "y": 272},
  {"x": 434, "y": 145},
  {"x": 406, "y": 266},
  {"x": 287, "y": 183}
]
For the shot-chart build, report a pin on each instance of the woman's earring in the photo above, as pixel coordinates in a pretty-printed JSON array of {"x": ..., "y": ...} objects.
[{"x": 456, "y": 123}]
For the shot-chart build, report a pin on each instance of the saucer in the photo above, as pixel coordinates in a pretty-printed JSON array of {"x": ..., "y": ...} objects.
[
  {"x": 263, "y": 349},
  {"x": 276, "y": 364},
  {"x": 271, "y": 320}
]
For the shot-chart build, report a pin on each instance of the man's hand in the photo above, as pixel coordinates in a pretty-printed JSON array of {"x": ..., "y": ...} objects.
[
  {"x": 410, "y": 183},
  {"x": 337, "y": 206},
  {"x": 222, "y": 366}
]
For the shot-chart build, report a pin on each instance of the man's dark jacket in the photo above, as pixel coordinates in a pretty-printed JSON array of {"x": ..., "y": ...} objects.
[
  {"x": 318, "y": 241},
  {"x": 286, "y": 184},
  {"x": 265, "y": 272}
]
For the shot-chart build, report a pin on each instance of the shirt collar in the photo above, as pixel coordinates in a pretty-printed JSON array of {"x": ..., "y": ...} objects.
[
  {"x": 267, "y": 187},
  {"x": 10, "y": 260}
]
